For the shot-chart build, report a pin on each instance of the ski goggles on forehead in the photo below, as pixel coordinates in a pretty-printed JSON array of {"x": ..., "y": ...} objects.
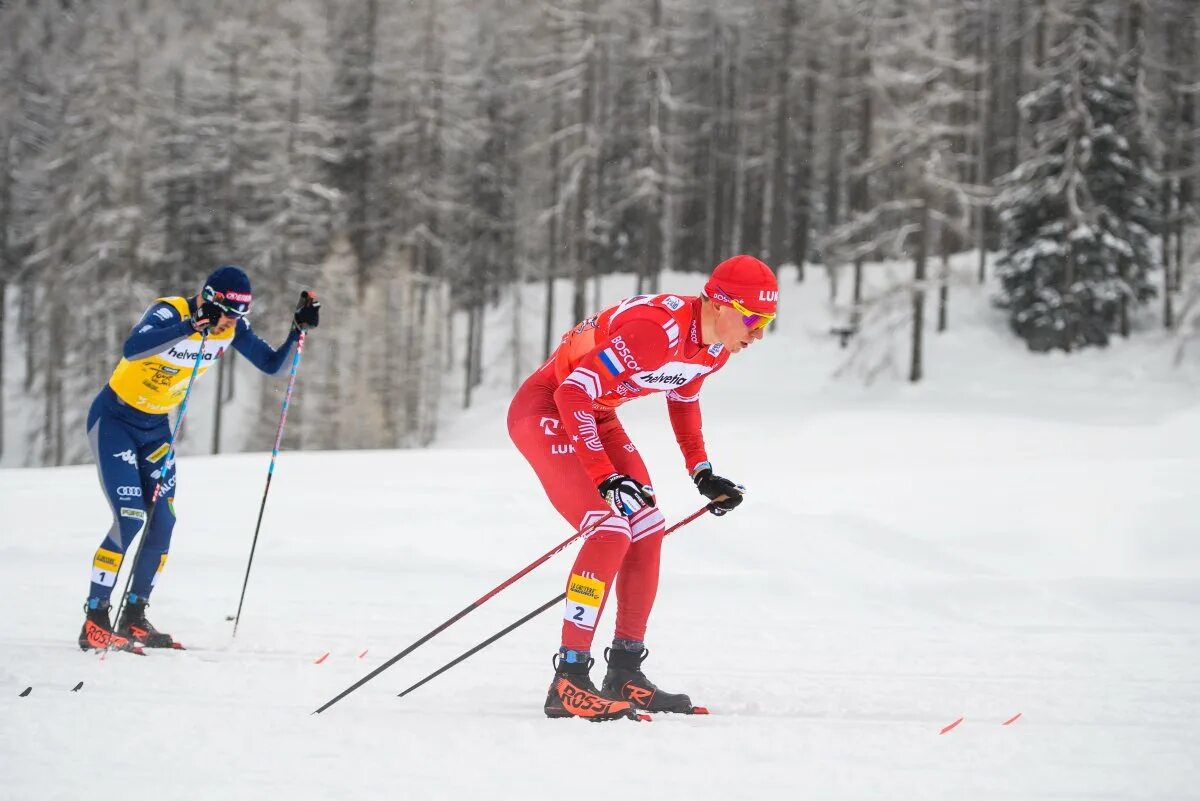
[
  {"x": 227, "y": 302},
  {"x": 752, "y": 319}
]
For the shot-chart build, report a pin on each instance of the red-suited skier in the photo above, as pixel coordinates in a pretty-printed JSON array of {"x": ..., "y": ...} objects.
[{"x": 563, "y": 419}]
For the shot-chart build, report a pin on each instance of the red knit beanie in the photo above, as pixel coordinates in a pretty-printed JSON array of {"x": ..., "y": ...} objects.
[{"x": 746, "y": 280}]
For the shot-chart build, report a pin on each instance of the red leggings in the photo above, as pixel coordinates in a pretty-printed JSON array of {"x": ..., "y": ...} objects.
[{"x": 626, "y": 549}]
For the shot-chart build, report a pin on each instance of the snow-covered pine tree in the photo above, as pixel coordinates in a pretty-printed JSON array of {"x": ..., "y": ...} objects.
[{"x": 1077, "y": 215}]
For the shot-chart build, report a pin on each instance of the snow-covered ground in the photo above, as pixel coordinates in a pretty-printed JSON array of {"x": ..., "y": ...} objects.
[{"x": 1014, "y": 535}]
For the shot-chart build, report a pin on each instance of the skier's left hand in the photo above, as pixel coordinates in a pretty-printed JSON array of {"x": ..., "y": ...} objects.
[
  {"x": 308, "y": 312},
  {"x": 725, "y": 496}
]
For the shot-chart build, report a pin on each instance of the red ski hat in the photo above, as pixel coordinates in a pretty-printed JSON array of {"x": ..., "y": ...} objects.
[{"x": 746, "y": 280}]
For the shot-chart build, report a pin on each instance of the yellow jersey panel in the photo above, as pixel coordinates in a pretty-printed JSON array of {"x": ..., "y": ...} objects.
[{"x": 157, "y": 383}]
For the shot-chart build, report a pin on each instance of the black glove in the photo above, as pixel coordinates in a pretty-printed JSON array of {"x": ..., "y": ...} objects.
[
  {"x": 308, "y": 312},
  {"x": 208, "y": 315},
  {"x": 625, "y": 495},
  {"x": 724, "y": 494}
]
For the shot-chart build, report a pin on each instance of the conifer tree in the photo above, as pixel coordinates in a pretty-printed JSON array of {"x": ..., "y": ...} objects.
[{"x": 1078, "y": 213}]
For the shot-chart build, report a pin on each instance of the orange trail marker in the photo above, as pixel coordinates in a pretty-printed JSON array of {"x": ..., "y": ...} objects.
[
  {"x": 1010, "y": 720},
  {"x": 951, "y": 726},
  {"x": 321, "y": 658}
]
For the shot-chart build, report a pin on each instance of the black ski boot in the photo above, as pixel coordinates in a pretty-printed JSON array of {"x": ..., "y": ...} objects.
[
  {"x": 572, "y": 693},
  {"x": 625, "y": 679},
  {"x": 97, "y": 633},
  {"x": 135, "y": 626}
]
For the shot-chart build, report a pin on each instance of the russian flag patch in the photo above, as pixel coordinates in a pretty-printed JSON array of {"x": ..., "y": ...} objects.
[{"x": 609, "y": 359}]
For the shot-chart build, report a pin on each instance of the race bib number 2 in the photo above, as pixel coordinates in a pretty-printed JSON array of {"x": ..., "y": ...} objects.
[{"x": 584, "y": 597}]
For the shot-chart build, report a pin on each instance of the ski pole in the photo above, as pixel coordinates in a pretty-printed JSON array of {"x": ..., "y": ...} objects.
[
  {"x": 529, "y": 616},
  {"x": 168, "y": 464},
  {"x": 465, "y": 611},
  {"x": 486, "y": 643},
  {"x": 287, "y": 396}
]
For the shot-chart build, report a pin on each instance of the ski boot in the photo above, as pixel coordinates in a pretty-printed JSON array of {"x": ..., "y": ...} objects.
[
  {"x": 97, "y": 633},
  {"x": 625, "y": 679},
  {"x": 572, "y": 693},
  {"x": 134, "y": 625}
]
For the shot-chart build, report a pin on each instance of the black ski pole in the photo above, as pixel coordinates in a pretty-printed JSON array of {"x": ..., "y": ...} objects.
[
  {"x": 463, "y": 613},
  {"x": 287, "y": 396},
  {"x": 486, "y": 643},
  {"x": 532, "y": 615},
  {"x": 168, "y": 465}
]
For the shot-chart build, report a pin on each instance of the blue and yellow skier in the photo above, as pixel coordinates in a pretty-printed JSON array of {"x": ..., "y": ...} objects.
[{"x": 129, "y": 434}]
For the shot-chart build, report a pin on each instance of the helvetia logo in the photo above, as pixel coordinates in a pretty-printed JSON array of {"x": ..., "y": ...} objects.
[
  {"x": 190, "y": 355},
  {"x": 673, "y": 379}
]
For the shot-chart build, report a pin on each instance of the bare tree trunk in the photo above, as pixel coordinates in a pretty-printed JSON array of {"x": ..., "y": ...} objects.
[
  {"x": 232, "y": 166},
  {"x": 916, "y": 369},
  {"x": 53, "y": 426},
  {"x": 984, "y": 90},
  {"x": 1165, "y": 240},
  {"x": 1017, "y": 41},
  {"x": 1123, "y": 307},
  {"x": 833, "y": 175},
  {"x": 7, "y": 265},
  {"x": 944, "y": 283},
  {"x": 659, "y": 252},
  {"x": 25, "y": 317},
  {"x": 739, "y": 92},
  {"x": 860, "y": 198},
  {"x": 1186, "y": 156},
  {"x": 470, "y": 356},
  {"x": 802, "y": 194},
  {"x": 222, "y": 365},
  {"x": 3, "y": 324},
  {"x": 712, "y": 183},
  {"x": 518, "y": 314},
  {"x": 555, "y": 195},
  {"x": 583, "y": 210},
  {"x": 781, "y": 216}
]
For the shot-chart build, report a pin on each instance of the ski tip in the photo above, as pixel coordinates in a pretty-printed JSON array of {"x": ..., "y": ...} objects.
[
  {"x": 77, "y": 687},
  {"x": 230, "y": 618},
  {"x": 321, "y": 658},
  {"x": 698, "y": 710},
  {"x": 177, "y": 646},
  {"x": 642, "y": 718},
  {"x": 26, "y": 692},
  {"x": 951, "y": 726}
]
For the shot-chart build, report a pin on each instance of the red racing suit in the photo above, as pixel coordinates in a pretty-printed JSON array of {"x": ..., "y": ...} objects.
[{"x": 563, "y": 420}]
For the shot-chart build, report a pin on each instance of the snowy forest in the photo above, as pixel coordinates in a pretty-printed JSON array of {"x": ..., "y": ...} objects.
[{"x": 416, "y": 160}]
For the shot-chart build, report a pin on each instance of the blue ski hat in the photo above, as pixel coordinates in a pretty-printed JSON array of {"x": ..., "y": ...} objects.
[{"x": 229, "y": 288}]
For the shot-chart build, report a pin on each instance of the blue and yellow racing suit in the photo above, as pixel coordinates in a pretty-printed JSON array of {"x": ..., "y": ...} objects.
[{"x": 129, "y": 431}]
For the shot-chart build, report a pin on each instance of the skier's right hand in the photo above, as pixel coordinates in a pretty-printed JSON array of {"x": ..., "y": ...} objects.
[
  {"x": 724, "y": 494},
  {"x": 206, "y": 317},
  {"x": 625, "y": 495}
]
